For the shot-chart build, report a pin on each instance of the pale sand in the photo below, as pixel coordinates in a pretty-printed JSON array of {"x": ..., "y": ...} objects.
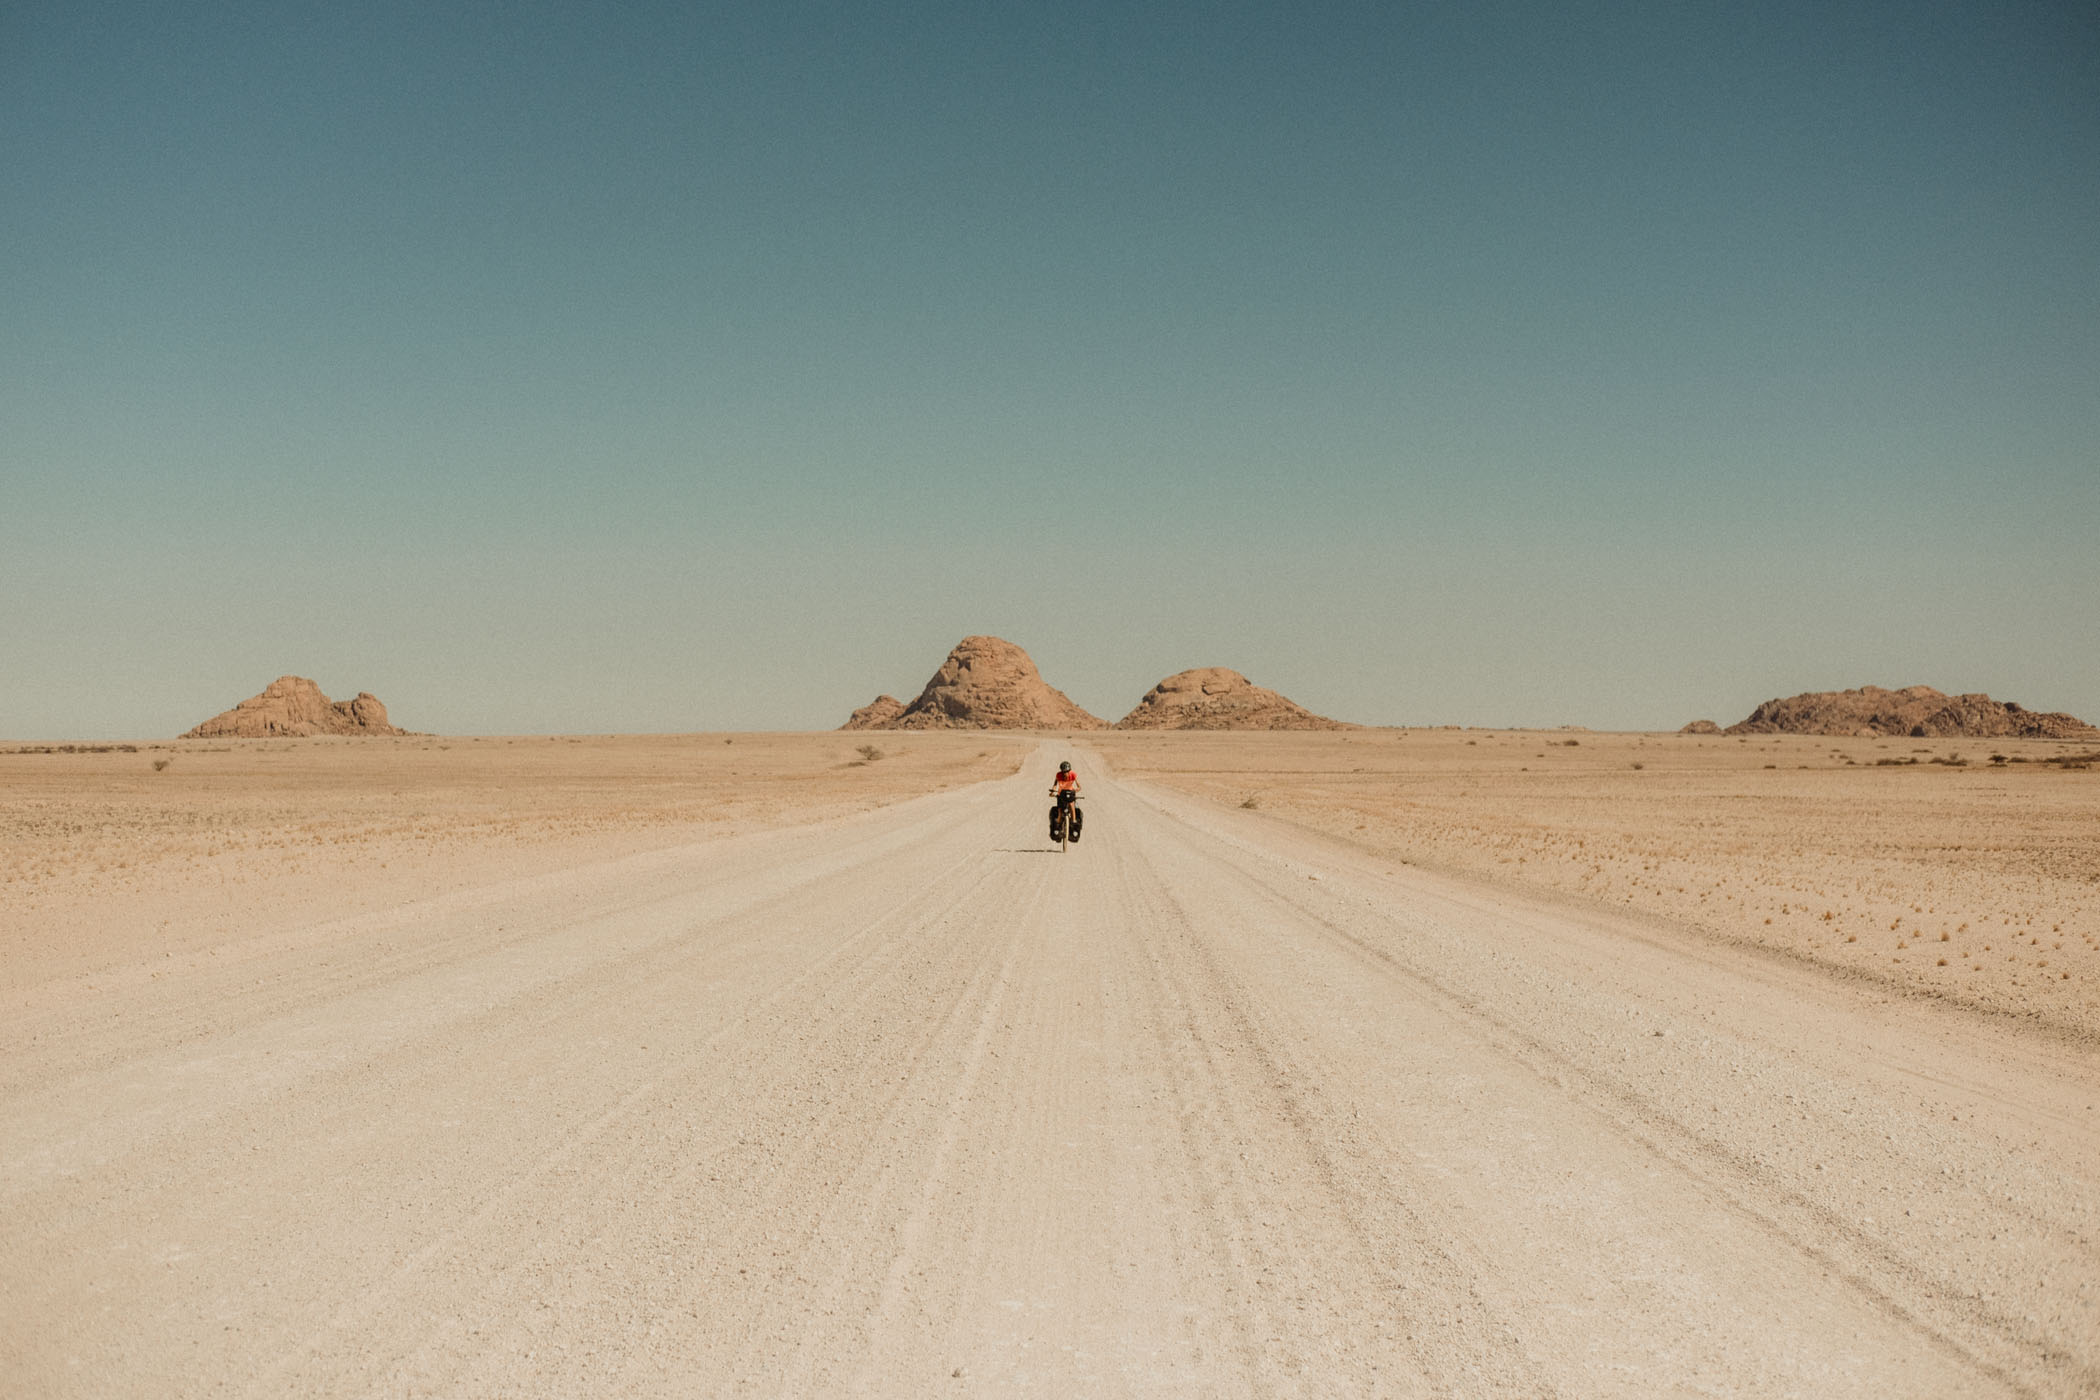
[
  {"x": 104, "y": 860},
  {"x": 503, "y": 1070},
  {"x": 1993, "y": 868}
]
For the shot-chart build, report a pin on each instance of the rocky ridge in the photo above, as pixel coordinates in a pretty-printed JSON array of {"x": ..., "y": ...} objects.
[
  {"x": 876, "y": 714},
  {"x": 1213, "y": 697},
  {"x": 986, "y": 683},
  {"x": 1916, "y": 711},
  {"x": 293, "y": 707}
]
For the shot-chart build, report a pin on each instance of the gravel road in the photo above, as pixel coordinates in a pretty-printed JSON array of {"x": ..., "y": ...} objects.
[{"x": 909, "y": 1104}]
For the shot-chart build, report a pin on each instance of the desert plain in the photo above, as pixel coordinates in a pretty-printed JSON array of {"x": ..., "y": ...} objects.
[{"x": 1372, "y": 1061}]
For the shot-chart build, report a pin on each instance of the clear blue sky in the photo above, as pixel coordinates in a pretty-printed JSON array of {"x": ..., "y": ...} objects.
[{"x": 563, "y": 366}]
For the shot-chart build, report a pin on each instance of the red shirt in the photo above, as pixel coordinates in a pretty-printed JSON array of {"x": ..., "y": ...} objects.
[{"x": 1066, "y": 780}]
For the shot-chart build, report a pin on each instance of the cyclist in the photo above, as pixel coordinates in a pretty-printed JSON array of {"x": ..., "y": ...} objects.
[{"x": 1066, "y": 781}]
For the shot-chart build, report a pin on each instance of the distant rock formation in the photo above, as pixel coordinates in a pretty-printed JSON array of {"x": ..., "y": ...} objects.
[
  {"x": 1917, "y": 711},
  {"x": 879, "y": 713},
  {"x": 986, "y": 683},
  {"x": 292, "y": 707},
  {"x": 1212, "y": 697},
  {"x": 1701, "y": 726}
]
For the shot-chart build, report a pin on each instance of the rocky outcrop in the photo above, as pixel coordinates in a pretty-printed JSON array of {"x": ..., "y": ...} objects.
[
  {"x": 293, "y": 707},
  {"x": 1701, "y": 726},
  {"x": 986, "y": 683},
  {"x": 879, "y": 713},
  {"x": 1917, "y": 711},
  {"x": 1212, "y": 697}
]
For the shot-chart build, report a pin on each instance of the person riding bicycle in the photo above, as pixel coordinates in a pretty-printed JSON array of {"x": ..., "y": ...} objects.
[{"x": 1066, "y": 782}]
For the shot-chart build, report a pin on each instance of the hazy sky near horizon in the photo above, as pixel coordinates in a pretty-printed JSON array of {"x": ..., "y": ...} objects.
[{"x": 551, "y": 367}]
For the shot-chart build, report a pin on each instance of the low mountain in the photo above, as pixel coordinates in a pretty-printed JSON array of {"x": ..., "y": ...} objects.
[
  {"x": 879, "y": 713},
  {"x": 986, "y": 683},
  {"x": 1213, "y": 697},
  {"x": 1917, "y": 711},
  {"x": 293, "y": 707}
]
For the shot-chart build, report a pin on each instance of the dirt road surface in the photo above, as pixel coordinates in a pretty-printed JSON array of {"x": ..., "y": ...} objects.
[{"x": 904, "y": 1103}]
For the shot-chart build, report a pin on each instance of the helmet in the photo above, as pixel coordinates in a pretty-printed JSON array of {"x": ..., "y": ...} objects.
[{"x": 1064, "y": 767}]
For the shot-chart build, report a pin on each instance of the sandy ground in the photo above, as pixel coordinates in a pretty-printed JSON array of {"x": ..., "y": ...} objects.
[
  {"x": 897, "y": 1101},
  {"x": 106, "y": 858},
  {"x": 1876, "y": 860}
]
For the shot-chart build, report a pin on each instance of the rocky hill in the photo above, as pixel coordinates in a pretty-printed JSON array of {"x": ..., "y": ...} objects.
[
  {"x": 986, "y": 683},
  {"x": 1212, "y": 697},
  {"x": 293, "y": 707},
  {"x": 879, "y": 713},
  {"x": 1916, "y": 711}
]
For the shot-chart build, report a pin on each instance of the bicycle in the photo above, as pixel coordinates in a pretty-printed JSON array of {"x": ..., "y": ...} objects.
[{"x": 1065, "y": 818}]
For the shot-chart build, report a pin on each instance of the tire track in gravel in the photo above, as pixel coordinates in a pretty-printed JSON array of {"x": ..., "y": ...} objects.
[
  {"x": 515, "y": 1042},
  {"x": 1239, "y": 1083},
  {"x": 283, "y": 976},
  {"x": 707, "y": 1095},
  {"x": 1471, "y": 987},
  {"x": 903, "y": 1105},
  {"x": 1965, "y": 1334}
]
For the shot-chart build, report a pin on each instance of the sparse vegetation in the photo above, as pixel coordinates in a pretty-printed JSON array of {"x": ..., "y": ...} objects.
[
  {"x": 869, "y": 752},
  {"x": 160, "y": 765},
  {"x": 74, "y": 748},
  {"x": 2058, "y": 760}
]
